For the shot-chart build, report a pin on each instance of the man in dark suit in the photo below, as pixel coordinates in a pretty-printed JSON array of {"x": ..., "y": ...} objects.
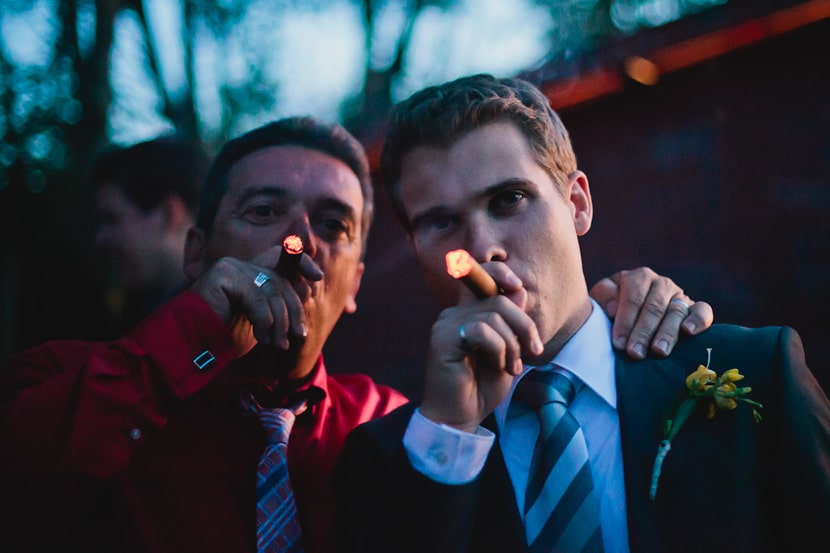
[{"x": 486, "y": 165}]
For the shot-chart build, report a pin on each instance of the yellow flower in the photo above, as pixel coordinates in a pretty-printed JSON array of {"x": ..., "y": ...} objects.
[
  {"x": 699, "y": 380},
  {"x": 723, "y": 399},
  {"x": 716, "y": 392},
  {"x": 732, "y": 375}
]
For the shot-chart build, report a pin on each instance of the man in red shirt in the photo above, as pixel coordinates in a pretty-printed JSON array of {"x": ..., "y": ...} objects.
[{"x": 141, "y": 444}]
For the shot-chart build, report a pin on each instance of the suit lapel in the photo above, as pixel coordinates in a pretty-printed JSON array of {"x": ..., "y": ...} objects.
[{"x": 646, "y": 391}]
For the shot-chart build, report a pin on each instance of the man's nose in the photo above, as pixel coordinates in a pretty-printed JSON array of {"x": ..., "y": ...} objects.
[{"x": 483, "y": 242}]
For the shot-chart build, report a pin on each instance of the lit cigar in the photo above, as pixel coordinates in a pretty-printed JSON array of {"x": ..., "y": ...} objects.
[
  {"x": 292, "y": 251},
  {"x": 461, "y": 265}
]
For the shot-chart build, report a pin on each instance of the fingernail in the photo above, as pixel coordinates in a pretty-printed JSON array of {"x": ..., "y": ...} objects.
[
  {"x": 689, "y": 326},
  {"x": 620, "y": 342},
  {"x": 513, "y": 280},
  {"x": 662, "y": 346},
  {"x": 538, "y": 346},
  {"x": 640, "y": 350},
  {"x": 304, "y": 331}
]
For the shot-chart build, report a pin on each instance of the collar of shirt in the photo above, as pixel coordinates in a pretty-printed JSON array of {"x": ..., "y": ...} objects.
[
  {"x": 588, "y": 355},
  {"x": 224, "y": 390}
]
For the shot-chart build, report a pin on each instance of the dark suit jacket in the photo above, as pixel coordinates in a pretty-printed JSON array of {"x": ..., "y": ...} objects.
[{"x": 729, "y": 484}]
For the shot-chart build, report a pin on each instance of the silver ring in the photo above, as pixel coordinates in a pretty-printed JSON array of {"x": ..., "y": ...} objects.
[
  {"x": 261, "y": 278},
  {"x": 465, "y": 344},
  {"x": 678, "y": 300}
]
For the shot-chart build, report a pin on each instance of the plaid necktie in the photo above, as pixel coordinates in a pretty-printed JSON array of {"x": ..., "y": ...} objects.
[
  {"x": 561, "y": 510},
  {"x": 277, "y": 526}
]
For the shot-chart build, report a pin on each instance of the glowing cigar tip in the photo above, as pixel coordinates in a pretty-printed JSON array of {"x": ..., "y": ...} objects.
[
  {"x": 459, "y": 263},
  {"x": 293, "y": 244}
]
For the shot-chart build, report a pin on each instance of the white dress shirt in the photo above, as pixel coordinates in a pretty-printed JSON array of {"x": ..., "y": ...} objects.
[{"x": 451, "y": 456}]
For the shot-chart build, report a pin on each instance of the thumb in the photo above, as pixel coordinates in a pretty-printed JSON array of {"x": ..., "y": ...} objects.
[{"x": 607, "y": 294}]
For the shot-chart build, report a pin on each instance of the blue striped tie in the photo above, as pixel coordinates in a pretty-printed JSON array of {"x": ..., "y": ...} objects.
[
  {"x": 278, "y": 528},
  {"x": 561, "y": 510}
]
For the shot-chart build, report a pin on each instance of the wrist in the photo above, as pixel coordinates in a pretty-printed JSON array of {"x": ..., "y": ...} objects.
[{"x": 439, "y": 416}]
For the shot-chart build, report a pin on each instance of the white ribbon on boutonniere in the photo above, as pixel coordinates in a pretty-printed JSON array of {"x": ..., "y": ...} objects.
[{"x": 705, "y": 387}]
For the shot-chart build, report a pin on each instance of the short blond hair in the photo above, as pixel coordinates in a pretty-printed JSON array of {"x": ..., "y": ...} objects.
[{"x": 439, "y": 115}]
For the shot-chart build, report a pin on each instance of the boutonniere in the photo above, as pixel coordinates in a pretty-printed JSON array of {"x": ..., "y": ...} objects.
[{"x": 704, "y": 388}]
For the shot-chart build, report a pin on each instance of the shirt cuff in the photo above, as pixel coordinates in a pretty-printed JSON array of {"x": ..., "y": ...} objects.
[{"x": 446, "y": 454}]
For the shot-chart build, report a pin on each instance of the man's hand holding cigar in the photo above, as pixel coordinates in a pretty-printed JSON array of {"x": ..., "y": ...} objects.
[
  {"x": 263, "y": 297},
  {"x": 477, "y": 345}
]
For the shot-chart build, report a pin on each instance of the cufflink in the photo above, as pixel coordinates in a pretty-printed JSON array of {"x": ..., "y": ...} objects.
[{"x": 203, "y": 360}]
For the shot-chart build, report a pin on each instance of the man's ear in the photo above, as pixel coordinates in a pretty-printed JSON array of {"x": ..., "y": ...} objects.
[
  {"x": 177, "y": 214},
  {"x": 581, "y": 202},
  {"x": 351, "y": 301},
  {"x": 195, "y": 247}
]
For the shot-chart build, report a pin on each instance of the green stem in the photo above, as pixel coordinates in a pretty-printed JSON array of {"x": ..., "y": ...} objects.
[
  {"x": 684, "y": 411},
  {"x": 662, "y": 450}
]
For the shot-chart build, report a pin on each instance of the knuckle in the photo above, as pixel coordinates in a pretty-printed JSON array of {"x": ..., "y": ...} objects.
[
  {"x": 669, "y": 334},
  {"x": 224, "y": 264},
  {"x": 654, "y": 309},
  {"x": 668, "y": 287},
  {"x": 639, "y": 274},
  {"x": 491, "y": 319},
  {"x": 645, "y": 332},
  {"x": 635, "y": 299},
  {"x": 624, "y": 276}
]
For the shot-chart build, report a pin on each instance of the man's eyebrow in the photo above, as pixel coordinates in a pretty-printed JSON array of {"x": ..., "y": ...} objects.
[
  {"x": 279, "y": 193},
  {"x": 501, "y": 186},
  {"x": 336, "y": 205},
  {"x": 269, "y": 191}
]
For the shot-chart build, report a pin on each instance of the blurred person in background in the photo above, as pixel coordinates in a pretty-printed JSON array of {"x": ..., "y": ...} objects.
[{"x": 146, "y": 198}]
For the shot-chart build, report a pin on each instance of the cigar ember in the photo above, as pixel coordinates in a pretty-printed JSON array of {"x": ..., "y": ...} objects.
[
  {"x": 461, "y": 265},
  {"x": 292, "y": 251}
]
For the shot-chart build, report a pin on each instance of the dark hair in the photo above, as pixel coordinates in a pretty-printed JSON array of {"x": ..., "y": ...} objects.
[
  {"x": 439, "y": 115},
  {"x": 305, "y": 132},
  {"x": 150, "y": 171}
]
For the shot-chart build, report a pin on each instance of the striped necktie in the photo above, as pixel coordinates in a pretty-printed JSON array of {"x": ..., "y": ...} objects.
[
  {"x": 561, "y": 510},
  {"x": 277, "y": 525}
]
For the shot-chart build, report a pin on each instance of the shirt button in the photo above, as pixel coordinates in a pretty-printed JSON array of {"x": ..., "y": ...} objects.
[
  {"x": 438, "y": 454},
  {"x": 135, "y": 434}
]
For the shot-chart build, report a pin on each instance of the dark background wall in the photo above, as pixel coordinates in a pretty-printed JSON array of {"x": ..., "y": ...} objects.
[{"x": 718, "y": 176}]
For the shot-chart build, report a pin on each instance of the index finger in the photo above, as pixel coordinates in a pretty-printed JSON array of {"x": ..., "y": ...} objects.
[
  {"x": 643, "y": 302},
  {"x": 518, "y": 322}
]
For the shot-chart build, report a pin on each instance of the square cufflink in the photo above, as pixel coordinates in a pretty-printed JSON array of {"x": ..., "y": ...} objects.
[{"x": 203, "y": 360}]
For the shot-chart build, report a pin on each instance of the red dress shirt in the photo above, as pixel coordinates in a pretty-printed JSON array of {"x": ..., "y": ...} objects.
[{"x": 128, "y": 446}]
